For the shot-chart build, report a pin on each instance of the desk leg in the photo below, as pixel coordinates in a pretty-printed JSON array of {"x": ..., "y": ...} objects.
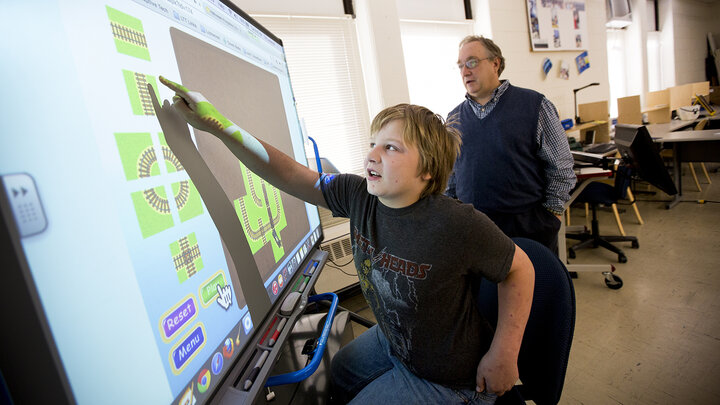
[{"x": 677, "y": 173}]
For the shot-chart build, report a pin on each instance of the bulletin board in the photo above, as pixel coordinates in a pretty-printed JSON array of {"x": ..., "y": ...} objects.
[{"x": 557, "y": 25}]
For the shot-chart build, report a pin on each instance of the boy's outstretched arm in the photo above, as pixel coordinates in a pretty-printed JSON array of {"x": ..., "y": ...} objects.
[
  {"x": 497, "y": 371},
  {"x": 263, "y": 159}
]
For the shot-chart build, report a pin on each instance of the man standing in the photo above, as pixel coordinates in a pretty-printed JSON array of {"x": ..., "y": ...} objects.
[{"x": 515, "y": 164}]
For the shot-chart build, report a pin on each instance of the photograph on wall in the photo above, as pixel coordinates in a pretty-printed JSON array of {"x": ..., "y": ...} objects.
[
  {"x": 583, "y": 62},
  {"x": 564, "y": 72},
  {"x": 557, "y": 25}
]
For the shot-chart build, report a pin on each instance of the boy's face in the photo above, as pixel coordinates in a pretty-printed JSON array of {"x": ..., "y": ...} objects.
[{"x": 392, "y": 168}]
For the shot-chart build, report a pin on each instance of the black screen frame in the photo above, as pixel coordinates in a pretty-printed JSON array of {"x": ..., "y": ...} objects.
[{"x": 29, "y": 357}]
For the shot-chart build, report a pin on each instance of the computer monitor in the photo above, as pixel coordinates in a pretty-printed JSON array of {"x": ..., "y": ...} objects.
[
  {"x": 112, "y": 264},
  {"x": 639, "y": 152}
]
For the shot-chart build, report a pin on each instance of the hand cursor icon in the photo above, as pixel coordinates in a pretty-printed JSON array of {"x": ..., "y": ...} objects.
[{"x": 224, "y": 296}]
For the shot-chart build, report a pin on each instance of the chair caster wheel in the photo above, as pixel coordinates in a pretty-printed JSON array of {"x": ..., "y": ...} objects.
[
  {"x": 635, "y": 244},
  {"x": 571, "y": 253},
  {"x": 622, "y": 259},
  {"x": 615, "y": 284}
]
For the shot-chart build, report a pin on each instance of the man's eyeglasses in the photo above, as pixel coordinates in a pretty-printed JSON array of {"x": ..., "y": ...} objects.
[{"x": 472, "y": 63}]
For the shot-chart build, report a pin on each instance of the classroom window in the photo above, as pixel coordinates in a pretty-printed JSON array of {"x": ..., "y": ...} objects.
[
  {"x": 324, "y": 63},
  {"x": 654, "y": 62},
  {"x": 430, "y": 49},
  {"x": 617, "y": 74}
]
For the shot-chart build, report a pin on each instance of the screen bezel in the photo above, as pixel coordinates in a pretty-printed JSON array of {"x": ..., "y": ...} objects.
[{"x": 47, "y": 380}]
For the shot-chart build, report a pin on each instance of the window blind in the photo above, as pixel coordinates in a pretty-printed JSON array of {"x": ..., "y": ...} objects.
[{"x": 325, "y": 71}]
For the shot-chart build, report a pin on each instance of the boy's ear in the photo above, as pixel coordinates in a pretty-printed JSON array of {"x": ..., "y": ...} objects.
[{"x": 426, "y": 176}]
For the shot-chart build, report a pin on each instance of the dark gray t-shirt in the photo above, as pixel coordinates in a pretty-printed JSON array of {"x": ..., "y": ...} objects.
[{"x": 415, "y": 265}]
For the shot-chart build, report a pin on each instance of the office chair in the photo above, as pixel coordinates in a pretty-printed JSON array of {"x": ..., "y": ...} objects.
[
  {"x": 545, "y": 348},
  {"x": 598, "y": 193},
  {"x": 616, "y": 213}
]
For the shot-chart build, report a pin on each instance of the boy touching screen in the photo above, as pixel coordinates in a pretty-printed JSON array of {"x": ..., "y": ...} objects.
[{"x": 415, "y": 251}]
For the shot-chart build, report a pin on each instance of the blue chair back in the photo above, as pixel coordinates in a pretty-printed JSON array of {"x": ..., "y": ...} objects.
[
  {"x": 601, "y": 193},
  {"x": 545, "y": 348}
]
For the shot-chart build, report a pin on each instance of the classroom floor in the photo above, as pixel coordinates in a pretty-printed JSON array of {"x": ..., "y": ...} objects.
[{"x": 657, "y": 339}]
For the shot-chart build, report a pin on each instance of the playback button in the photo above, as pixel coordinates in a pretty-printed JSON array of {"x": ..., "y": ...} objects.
[{"x": 25, "y": 203}]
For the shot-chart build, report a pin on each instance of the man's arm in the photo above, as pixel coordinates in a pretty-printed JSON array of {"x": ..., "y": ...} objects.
[
  {"x": 555, "y": 152},
  {"x": 277, "y": 168},
  {"x": 497, "y": 371}
]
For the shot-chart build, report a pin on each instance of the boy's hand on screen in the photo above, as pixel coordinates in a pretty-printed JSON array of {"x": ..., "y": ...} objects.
[
  {"x": 196, "y": 110},
  {"x": 174, "y": 127},
  {"x": 199, "y": 113}
]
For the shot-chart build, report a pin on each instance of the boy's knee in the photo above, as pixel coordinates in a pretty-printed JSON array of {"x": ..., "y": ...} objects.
[
  {"x": 337, "y": 394},
  {"x": 334, "y": 368}
]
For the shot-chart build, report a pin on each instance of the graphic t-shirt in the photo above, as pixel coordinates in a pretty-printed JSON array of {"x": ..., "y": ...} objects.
[{"x": 415, "y": 266}]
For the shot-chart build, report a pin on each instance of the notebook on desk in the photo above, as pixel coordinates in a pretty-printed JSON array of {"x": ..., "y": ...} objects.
[
  {"x": 700, "y": 99},
  {"x": 584, "y": 159},
  {"x": 601, "y": 148}
]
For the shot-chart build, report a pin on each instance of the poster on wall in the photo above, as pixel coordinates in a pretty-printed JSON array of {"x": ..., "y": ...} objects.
[
  {"x": 557, "y": 25},
  {"x": 582, "y": 61}
]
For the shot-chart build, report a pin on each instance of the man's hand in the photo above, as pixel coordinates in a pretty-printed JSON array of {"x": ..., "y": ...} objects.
[
  {"x": 495, "y": 374},
  {"x": 196, "y": 109}
]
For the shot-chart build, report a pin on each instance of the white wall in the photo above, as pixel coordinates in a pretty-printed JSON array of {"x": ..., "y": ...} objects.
[
  {"x": 524, "y": 67},
  {"x": 447, "y": 10},
  {"x": 378, "y": 20},
  {"x": 683, "y": 28},
  {"x": 506, "y": 22},
  {"x": 692, "y": 20},
  {"x": 667, "y": 44},
  {"x": 381, "y": 53},
  {"x": 636, "y": 50}
]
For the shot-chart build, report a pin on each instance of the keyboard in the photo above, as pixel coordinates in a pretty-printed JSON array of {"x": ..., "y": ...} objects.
[{"x": 601, "y": 148}]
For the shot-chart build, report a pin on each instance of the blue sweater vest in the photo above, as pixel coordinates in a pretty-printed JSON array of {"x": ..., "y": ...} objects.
[{"x": 498, "y": 170}]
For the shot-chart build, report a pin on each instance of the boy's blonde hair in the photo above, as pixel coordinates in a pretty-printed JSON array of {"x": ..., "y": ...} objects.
[{"x": 437, "y": 142}]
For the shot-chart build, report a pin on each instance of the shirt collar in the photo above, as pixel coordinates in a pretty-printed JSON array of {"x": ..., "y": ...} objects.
[{"x": 504, "y": 84}]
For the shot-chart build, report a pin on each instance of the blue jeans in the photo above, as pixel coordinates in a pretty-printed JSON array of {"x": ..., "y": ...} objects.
[{"x": 364, "y": 372}]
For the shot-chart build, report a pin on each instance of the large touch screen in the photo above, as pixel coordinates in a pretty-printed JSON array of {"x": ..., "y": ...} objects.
[{"x": 145, "y": 300}]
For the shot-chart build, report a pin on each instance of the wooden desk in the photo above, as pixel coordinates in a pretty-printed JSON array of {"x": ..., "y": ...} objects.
[
  {"x": 678, "y": 125},
  {"x": 688, "y": 146},
  {"x": 657, "y": 106},
  {"x": 586, "y": 176},
  {"x": 659, "y": 113},
  {"x": 674, "y": 125}
]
